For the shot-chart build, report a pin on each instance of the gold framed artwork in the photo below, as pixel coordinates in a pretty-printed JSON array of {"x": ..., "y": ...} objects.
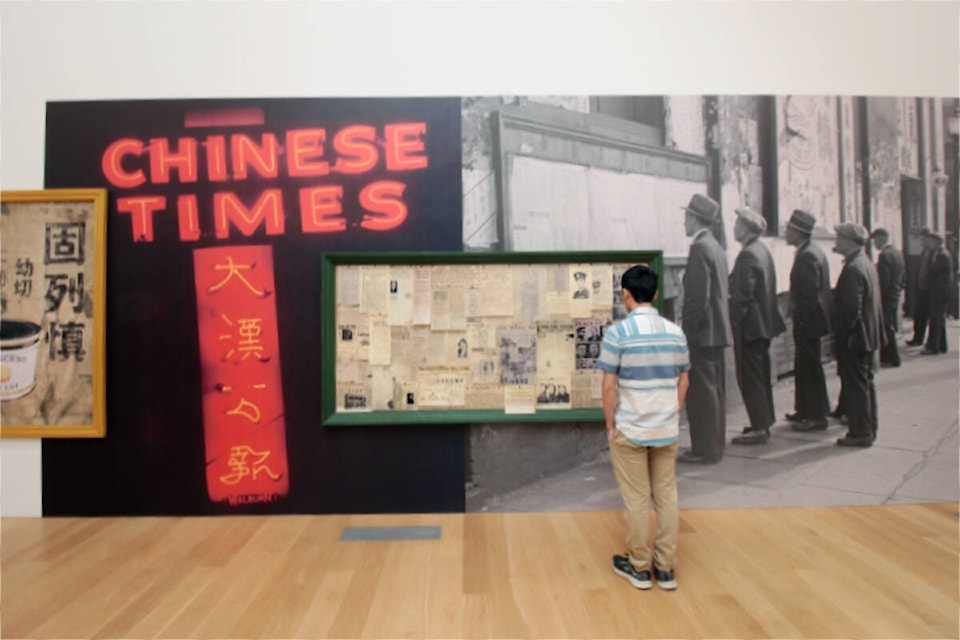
[{"x": 53, "y": 313}]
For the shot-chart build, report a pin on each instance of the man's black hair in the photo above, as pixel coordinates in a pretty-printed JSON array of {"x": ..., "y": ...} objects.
[{"x": 641, "y": 282}]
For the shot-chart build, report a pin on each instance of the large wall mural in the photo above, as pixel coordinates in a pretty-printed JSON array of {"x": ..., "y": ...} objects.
[{"x": 220, "y": 213}]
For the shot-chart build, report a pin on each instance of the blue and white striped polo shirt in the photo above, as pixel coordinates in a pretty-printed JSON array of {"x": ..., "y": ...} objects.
[{"x": 647, "y": 353}]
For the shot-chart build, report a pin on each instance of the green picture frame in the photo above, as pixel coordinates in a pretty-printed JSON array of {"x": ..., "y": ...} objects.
[{"x": 330, "y": 262}]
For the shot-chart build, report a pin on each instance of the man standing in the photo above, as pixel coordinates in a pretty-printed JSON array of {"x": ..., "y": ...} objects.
[
  {"x": 810, "y": 309},
  {"x": 921, "y": 304},
  {"x": 645, "y": 363},
  {"x": 893, "y": 277},
  {"x": 858, "y": 321},
  {"x": 706, "y": 323},
  {"x": 940, "y": 281},
  {"x": 755, "y": 319}
]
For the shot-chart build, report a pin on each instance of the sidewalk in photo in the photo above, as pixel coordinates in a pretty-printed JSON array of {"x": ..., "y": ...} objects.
[{"x": 916, "y": 457}]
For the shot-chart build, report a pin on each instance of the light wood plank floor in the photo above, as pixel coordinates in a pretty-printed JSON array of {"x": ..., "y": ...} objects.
[{"x": 858, "y": 572}]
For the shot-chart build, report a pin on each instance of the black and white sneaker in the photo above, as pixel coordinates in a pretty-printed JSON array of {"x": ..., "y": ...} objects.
[
  {"x": 639, "y": 579},
  {"x": 665, "y": 579}
]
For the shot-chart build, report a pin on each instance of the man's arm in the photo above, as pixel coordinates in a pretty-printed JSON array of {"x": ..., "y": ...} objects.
[
  {"x": 849, "y": 296},
  {"x": 683, "y": 383},
  {"x": 885, "y": 270},
  {"x": 940, "y": 268},
  {"x": 696, "y": 290},
  {"x": 610, "y": 402},
  {"x": 808, "y": 278},
  {"x": 743, "y": 286}
]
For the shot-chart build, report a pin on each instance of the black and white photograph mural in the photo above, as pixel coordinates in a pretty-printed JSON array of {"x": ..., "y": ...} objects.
[{"x": 569, "y": 173}]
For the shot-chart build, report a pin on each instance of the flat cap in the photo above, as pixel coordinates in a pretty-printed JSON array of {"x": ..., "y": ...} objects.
[
  {"x": 852, "y": 231},
  {"x": 753, "y": 220}
]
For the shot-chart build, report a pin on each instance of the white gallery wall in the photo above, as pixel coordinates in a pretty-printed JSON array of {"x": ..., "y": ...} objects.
[{"x": 152, "y": 50}]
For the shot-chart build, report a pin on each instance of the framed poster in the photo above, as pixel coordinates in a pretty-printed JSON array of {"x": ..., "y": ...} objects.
[
  {"x": 52, "y": 306},
  {"x": 426, "y": 338}
]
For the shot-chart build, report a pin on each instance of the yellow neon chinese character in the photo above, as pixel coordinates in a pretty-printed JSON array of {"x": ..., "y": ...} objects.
[
  {"x": 249, "y": 344},
  {"x": 240, "y": 467},
  {"x": 235, "y": 270},
  {"x": 250, "y": 332},
  {"x": 246, "y": 409}
]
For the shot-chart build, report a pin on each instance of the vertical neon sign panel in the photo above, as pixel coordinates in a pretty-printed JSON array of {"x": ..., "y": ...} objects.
[{"x": 243, "y": 416}]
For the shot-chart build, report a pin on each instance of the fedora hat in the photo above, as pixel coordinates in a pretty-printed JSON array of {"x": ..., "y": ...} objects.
[
  {"x": 753, "y": 220},
  {"x": 852, "y": 231},
  {"x": 703, "y": 207},
  {"x": 802, "y": 221}
]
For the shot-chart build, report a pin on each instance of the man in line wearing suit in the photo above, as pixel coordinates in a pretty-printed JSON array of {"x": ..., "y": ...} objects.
[
  {"x": 755, "y": 319},
  {"x": 893, "y": 277},
  {"x": 858, "y": 321},
  {"x": 921, "y": 303},
  {"x": 706, "y": 323},
  {"x": 940, "y": 281},
  {"x": 810, "y": 303}
]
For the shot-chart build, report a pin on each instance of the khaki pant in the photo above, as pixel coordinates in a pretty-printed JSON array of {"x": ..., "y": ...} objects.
[{"x": 640, "y": 472}]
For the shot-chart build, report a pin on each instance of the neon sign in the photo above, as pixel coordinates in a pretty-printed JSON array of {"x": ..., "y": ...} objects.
[
  {"x": 244, "y": 423},
  {"x": 300, "y": 155}
]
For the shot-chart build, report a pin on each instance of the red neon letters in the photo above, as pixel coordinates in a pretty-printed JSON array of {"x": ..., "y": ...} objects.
[{"x": 308, "y": 154}]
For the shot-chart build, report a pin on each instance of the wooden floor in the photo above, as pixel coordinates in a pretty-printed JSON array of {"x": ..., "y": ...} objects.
[{"x": 857, "y": 572}]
